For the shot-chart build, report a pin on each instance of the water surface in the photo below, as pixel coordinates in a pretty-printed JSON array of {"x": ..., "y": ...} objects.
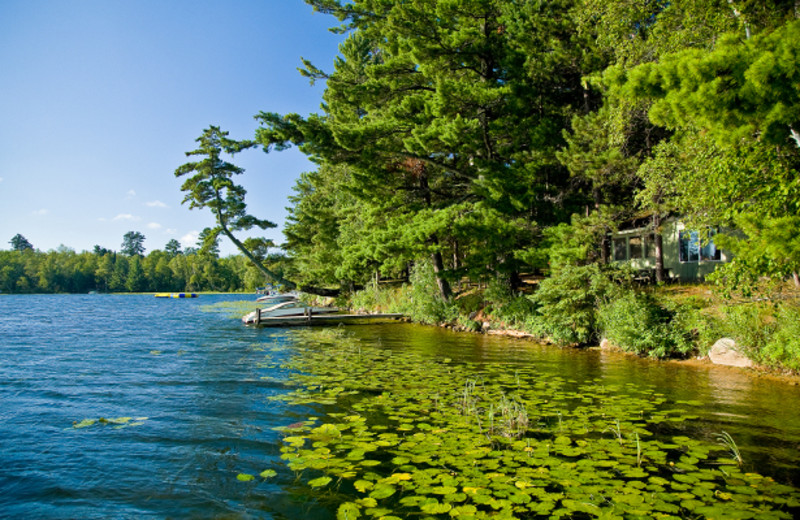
[{"x": 199, "y": 382}]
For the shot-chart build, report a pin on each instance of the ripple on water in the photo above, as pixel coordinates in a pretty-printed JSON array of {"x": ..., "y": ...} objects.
[{"x": 200, "y": 384}]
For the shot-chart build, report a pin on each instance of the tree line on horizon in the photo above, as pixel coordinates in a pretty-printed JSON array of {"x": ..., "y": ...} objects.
[
  {"x": 25, "y": 270},
  {"x": 491, "y": 138}
]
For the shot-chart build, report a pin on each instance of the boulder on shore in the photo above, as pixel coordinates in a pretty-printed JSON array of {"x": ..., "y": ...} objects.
[{"x": 724, "y": 352}]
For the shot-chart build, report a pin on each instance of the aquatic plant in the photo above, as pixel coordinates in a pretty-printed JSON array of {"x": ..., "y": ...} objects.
[
  {"x": 113, "y": 422},
  {"x": 395, "y": 435},
  {"x": 726, "y": 440}
]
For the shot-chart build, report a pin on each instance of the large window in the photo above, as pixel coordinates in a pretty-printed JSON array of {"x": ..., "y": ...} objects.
[
  {"x": 694, "y": 248},
  {"x": 629, "y": 248}
]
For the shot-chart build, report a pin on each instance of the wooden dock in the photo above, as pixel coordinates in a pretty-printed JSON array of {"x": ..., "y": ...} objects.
[{"x": 318, "y": 319}]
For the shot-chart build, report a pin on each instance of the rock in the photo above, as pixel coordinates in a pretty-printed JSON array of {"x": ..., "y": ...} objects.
[
  {"x": 723, "y": 352},
  {"x": 607, "y": 345}
]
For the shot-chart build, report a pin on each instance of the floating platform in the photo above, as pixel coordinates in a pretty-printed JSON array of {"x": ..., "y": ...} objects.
[
  {"x": 319, "y": 319},
  {"x": 176, "y": 295}
]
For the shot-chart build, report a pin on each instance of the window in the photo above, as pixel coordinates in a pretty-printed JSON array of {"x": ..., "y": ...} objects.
[
  {"x": 620, "y": 249},
  {"x": 636, "y": 245},
  {"x": 694, "y": 248}
]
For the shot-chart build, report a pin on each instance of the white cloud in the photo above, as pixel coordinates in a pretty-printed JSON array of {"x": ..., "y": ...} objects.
[
  {"x": 127, "y": 216},
  {"x": 170, "y": 231},
  {"x": 41, "y": 212},
  {"x": 190, "y": 239},
  {"x": 131, "y": 194},
  {"x": 1, "y": 179},
  {"x": 156, "y": 204},
  {"x": 153, "y": 225}
]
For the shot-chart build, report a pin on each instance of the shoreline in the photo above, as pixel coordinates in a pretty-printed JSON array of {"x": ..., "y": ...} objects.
[{"x": 755, "y": 371}]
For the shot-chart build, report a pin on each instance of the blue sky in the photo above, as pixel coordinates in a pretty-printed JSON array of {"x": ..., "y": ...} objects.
[{"x": 99, "y": 100}]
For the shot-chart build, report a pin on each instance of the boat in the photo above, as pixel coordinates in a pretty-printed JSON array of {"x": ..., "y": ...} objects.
[
  {"x": 176, "y": 295},
  {"x": 285, "y": 309},
  {"x": 274, "y": 298}
]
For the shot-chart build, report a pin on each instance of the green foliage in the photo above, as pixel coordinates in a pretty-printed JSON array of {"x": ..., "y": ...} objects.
[
  {"x": 427, "y": 305},
  {"x": 65, "y": 271},
  {"x": 132, "y": 244},
  {"x": 514, "y": 310},
  {"x": 767, "y": 333},
  {"x": 20, "y": 243},
  {"x": 635, "y": 322},
  {"x": 420, "y": 299},
  {"x": 210, "y": 185},
  {"x": 783, "y": 347},
  {"x": 568, "y": 300},
  {"x": 449, "y": 140},
  {"x": 373, "y": 297},
  {"x": 770, "y": 247},
  {"x": 739, "y": 89}
]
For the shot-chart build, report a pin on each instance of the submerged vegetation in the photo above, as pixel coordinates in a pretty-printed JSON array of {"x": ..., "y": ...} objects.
[{"x": 395, "y": 436}]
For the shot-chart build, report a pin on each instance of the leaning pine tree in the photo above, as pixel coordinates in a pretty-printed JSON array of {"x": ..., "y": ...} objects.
[{"x": 211, "y": 186}]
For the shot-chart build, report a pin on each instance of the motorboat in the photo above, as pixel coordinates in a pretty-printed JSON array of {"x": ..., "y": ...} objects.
[
  {"x": 287, "y": 309},
  {"x": 274, "y": 298}
]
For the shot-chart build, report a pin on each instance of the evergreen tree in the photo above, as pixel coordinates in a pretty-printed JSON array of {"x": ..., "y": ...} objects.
[
  {"x": 173, "y": 247},
  {"x": 133, "y": 244},
  {"x": 20, "y": 243},
  {"x": 448, "y": 115}
]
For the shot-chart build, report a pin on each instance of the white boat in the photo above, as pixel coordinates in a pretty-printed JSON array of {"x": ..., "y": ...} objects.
[
  {"x": 275, "y": 298},
  {"x": 287, "y": 308}
]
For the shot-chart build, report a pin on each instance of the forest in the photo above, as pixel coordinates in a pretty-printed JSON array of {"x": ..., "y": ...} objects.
[
  {"x": 25, "y": 270},
  {"x": 497, "y": 138}
]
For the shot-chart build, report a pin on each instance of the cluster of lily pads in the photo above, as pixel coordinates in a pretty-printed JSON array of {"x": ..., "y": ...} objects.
[
  {"x": 399, "y": 435},
  {"x": 116, "y": 423}
]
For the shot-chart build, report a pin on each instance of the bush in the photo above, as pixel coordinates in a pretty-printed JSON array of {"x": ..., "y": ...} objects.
[
  {"x": 515, "y": 310},
  {"x": 635, "y": 322},
  {"x": 568, "y": 300},
  {"x": 783, "y": 347},
  {"x": 425, "y": 304},
  {"x": 750, "y": 326},
  {"x": 768, "y": 334}
]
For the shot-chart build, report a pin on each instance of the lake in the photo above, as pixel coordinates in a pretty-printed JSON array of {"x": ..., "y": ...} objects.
[{"x": 128, "y": 406}]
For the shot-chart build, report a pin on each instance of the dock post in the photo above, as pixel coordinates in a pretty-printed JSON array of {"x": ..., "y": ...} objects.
[{"x": 258, "y": 316}]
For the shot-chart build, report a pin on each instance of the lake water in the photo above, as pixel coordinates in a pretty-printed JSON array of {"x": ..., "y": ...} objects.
[{"x": 196, "y": 387}]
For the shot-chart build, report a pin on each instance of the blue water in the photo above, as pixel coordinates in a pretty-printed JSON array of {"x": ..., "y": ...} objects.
[
  {"x": 194, "y": 375},
  {"x": 202, "y": 381}
]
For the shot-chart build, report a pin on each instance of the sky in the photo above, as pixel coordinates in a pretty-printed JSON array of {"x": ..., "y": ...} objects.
[{"x": 99, "y": 100}]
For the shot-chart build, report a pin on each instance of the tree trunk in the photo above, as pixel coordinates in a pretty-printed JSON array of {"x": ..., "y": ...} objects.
[
  {"x": 605, "y": 249},
  {"x": 438, "y": 269},
  {"x": 659, "y": 245},
  {"x": 318, "y": 291},
  {"x": 796, "y": 278}
]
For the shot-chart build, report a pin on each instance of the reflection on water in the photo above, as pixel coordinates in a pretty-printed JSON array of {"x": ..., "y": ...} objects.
[{"x": 203, "y": 383}]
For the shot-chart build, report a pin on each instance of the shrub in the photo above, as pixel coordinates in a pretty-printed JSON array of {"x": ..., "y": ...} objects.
[
  {"x": 425, "y": 304},
  {"x": 750, "y": 326},
  {"x": 515, "y": 310},
  {"x": 783, "y": 347},
  {"x": 568, "y": 300},
  {"x": 635, "y": 322}
]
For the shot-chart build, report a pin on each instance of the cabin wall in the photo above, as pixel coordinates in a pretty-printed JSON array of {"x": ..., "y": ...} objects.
[{"x": 640, "y": 252}]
